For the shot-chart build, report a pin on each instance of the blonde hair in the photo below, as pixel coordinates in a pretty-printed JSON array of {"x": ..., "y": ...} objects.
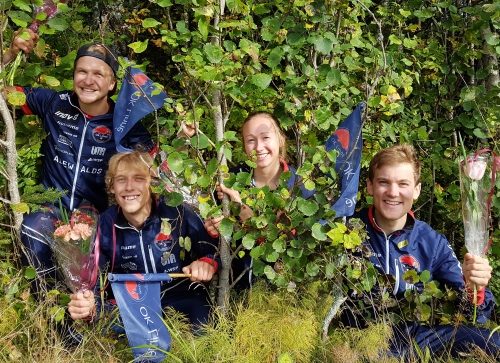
[
  {"x": 396, "y": 155},
  {"x": 139, "y": 161},
  {"x": 274, "y": 121}
]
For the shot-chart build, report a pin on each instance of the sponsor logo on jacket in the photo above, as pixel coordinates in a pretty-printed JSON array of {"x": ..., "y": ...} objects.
[
  {"x": 98, "y": 151},
  {"x": 101, "y": 134},
  {"x": 70, "y": 115},
  {"x": 64, "y": 140}
]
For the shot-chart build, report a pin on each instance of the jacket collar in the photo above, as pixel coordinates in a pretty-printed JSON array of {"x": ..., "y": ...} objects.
[{"x": 410, "y": 220}]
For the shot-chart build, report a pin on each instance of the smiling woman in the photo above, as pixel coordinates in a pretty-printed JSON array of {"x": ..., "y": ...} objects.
[{"x": 264, "y": 143}]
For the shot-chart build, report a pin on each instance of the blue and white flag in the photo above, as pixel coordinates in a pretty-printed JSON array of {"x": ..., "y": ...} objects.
[
  {"x": 348, "y": 141},
  {"x": 138, "y": 299},
  {"x": 138, "y": 97}
]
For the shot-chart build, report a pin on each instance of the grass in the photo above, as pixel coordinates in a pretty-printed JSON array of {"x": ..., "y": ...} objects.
[{"x": 261, "y": 326}]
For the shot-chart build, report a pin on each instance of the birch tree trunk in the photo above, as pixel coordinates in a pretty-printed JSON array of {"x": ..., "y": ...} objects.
[
  {"x": 8, "y": 144},
  {"x": 220, "y": 123}
]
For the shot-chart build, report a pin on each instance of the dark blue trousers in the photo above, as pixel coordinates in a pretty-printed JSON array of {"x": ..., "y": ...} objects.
[
  {"x": 441, "y": 339},
  {"x": 36, "y": 250}
]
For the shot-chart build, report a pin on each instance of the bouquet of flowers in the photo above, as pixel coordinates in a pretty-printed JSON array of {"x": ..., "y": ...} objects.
[
  {"x": 475, "y": 185},
  {"x": 72, "y": 243},
  {"x": 477, "y": 180}
]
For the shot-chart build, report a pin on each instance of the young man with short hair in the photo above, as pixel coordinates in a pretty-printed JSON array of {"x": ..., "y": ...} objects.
[
  {"x": 399, "y": 242},
  {"x": 79, "y": 143},
  {"x": 146, "y": 235}
]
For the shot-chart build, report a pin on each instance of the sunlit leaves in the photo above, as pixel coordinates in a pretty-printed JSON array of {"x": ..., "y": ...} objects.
[{"x": 150, "y": 23}]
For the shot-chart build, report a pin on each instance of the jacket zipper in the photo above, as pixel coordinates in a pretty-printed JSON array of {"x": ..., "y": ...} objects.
[
  {"x": 151, "y": 257},
  {"x": 396, "y": 269},
  {"x": 143, "y": 252}
]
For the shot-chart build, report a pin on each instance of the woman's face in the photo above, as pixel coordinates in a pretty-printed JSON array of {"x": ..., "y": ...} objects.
[{"x": 262, "y": 144}]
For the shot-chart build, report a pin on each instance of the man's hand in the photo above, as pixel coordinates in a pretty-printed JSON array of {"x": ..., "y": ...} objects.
[
  {"x": 24, "y": 40},
  {"x": 81, "y": 305},
  {"x": 200, "y": 271},
  {"x": 477, "y": 271}
]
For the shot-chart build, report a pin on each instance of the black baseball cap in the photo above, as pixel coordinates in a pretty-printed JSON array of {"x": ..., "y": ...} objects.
[{"x": 111, "y": 58}]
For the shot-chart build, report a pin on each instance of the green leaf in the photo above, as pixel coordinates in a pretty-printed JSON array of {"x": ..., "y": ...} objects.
[
  {"x": 318, "y": 233},
  {"x": 480, "y": 133},
  {"x": 269, "y": 272},
  {"x": 150, "y": 23},
  {"x": 425, "y": 276},
  {"x": 205, "y": 11},
  {"x": 139, "y": 47},
  {"x": 309, "y": 184},
  {"x": 58, "y": 24},
  {"x": 248, "y": 242},
  {"x": 394, "y": 39},
  {"x": 309, "y": 207},
  {"x": 200, "y": 141},
  {"x": 312, "y": 269},
  {"x": 214, "y": 53},
  {"x": 23, "y": 5},
  {"x": 411, "y": 277},
  {"x": 164, "y": 3},
  {"x": 57, "y": 313},
  {"x": 492, "y": 38},
  {"x": 203, "y": 25},
  {"x": 333, "y": 77},
  {"x": 174, "y": 199},
  {"x": 204, "y": 181},
  {"x": 285, "y": 358},
  {"x": 324, "y": 44},
  {"x": 20, "y": 18},
  {"x": 212, "y": 166},
  {"x": 405, "y": 13},
  {"x": 261, "y": 80},
  {"x": 226, "y": 227},
  {"x": 275, "y": 57},
  {"x": 279, "y": 245},
  {"x": 187, "y": 243},
  {"x": 374, "y": 101},
  {"x": 51, "y": 81},
  {"x": 30, "y": 273},
  {"x": 175, "y": 162},
  {"x": 20, "y": 207}
]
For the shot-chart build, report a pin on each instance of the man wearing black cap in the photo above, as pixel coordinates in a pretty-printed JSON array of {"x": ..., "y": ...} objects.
[{"x": 79, "y": 143}]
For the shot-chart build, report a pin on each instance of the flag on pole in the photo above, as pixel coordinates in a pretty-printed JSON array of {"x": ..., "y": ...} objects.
[
  {"x": 348, "y": 141},
  {"x": 137, "y": 98},
  {"x": 138, "y": 299}
]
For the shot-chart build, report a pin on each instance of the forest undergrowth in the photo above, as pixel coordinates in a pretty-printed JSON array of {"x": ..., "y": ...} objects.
[{"x": 262, "y": 325}]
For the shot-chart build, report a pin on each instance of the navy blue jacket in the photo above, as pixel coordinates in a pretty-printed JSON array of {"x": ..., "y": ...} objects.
[
  {"x": 416, "y": 247},
  {"x": 77, "y": 149},
  {"x": 148, "y": 250}
]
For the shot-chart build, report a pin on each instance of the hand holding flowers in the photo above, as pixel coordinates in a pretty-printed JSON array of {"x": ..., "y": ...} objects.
[{"x": 73, "y": 245}]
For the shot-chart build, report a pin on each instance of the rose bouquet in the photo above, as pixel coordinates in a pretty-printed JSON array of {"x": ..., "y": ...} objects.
[
  {"x": 475, "y": 185},
  {"x": 72, "y": 243},
  {"x": 477, "y": 180}
]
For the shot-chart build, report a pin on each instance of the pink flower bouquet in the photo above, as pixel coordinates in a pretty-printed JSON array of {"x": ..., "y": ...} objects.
[{"x": 73, "y": 245}]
